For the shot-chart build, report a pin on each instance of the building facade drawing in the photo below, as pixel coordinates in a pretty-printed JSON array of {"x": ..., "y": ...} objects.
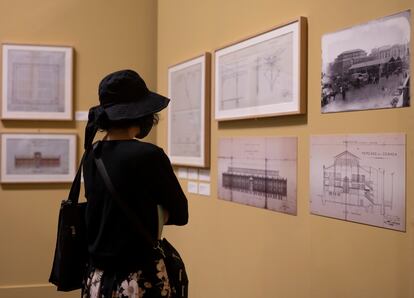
[{"x": 257, "y": 182}]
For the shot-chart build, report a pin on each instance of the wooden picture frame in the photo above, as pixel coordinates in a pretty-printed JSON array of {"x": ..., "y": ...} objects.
[
  {"x": 189, "y": 112},
  {"x": 37, "y": 82},
  {"x": 263, "y": 75},
  {"x": 37, "y": 158}
]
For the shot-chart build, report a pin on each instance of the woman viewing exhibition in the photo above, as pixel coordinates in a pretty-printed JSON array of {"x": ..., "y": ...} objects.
[{"x": 121, "y": 262}]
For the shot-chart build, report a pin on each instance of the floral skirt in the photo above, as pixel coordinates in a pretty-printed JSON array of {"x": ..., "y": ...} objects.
[{"x": 140, "y": 284}]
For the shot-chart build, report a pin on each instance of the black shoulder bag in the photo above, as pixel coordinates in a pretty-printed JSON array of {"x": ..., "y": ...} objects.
[
  {"x": 174, "y": 264},
  {"x": 71, "y": 252}
]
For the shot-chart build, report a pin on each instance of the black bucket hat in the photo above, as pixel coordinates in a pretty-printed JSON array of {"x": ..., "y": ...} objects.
[{"x": 123, "y": 95}]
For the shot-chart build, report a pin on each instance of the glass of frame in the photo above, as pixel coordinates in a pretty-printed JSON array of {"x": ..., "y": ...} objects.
[
  {"x": 31, "y": 158},
  {"x": 189, "y": 112},
  {"x": 37, "y": 82},
  {"x": 263, "y": 75}
]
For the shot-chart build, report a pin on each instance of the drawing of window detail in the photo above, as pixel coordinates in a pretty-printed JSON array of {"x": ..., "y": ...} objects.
[
  {"x": 259, "y": 172},
  {"x": 364, "y": 182},
  {"x": 186, "y": 112}
]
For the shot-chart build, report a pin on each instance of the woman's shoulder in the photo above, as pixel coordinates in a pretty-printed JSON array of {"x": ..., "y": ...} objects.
[{"x": 140, "y": 148}]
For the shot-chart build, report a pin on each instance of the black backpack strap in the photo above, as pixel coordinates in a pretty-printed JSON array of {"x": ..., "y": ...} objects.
[{"x": 130, "y": 215}]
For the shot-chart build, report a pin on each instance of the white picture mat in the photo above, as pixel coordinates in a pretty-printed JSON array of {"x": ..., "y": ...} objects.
[
  {"x": 265, "y": 110},
  {"x": 68, "y": 82},
  {"x": 180, "y": 159},
  {"x": 68, "y": 162},
  {"x": 378, "y": 198}
]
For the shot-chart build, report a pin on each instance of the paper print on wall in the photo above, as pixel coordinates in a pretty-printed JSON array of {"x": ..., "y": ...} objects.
[
  {"x": 367, "y": 66},
  {"x": 37, "y": 82},
  {"x": 359, "y": 178},
  {"x": 38, "y": 158},
  {"x": 261, "y": 76},
  {"x": 259, "y": 172},
  {"x": 188, "y": 113}
]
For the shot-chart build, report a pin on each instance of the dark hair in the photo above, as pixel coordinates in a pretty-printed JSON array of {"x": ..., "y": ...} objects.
[{"x": 145, "y": 123}]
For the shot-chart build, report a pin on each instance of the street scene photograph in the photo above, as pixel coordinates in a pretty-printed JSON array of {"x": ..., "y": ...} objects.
[{"x": 367, "y": 66}]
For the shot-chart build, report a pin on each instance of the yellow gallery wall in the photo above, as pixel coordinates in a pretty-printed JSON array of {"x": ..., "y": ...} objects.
[
  {"x": 233, "y": 250},
  {"x": 106, "y": 36},
  {"x": 230, "y": 250}
]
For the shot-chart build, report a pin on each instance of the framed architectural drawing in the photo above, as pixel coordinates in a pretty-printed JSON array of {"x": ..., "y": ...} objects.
[
  {"x": 359, "y": 178},
  {"x": 259, "y": 172},
  {"x": 37, "y": 82},
  {"x": 189, "y": 112},
  {"x": 264, "y": 75},
  {"x": 367, "y": 66},
  {"x": 30, "y": 158}
]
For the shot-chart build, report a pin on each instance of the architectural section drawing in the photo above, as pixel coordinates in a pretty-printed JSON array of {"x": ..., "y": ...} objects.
[
  {"x": 359, "y": 178},
  {"x": 259, "y": 172}
]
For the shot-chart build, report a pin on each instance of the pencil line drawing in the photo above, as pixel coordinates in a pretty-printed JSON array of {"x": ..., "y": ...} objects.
[
  {"x": 188, "y": 88},
  {"x": 37, "y": 82},
  {"x": 261, "y": 76},
  {"x": 186, "y": 112},
  {"x": 257, "y": 75},
  {"x": 259, "y": 172},
  {"x": 363, "y": 182}
]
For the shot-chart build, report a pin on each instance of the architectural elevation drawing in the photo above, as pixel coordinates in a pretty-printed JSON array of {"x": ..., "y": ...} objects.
[
  {"x": 359, "y": 178},
  {"x": 37, "y": 156},
  {"x": 257, "y": 75},
  {"x": 186, "y": 111},
  {"x": 259, "y": 172}
]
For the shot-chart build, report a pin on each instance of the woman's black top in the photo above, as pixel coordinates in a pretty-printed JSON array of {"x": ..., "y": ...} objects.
[{"x": 142, "y": 175}]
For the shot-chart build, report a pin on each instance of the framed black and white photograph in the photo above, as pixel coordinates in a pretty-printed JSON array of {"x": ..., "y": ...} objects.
[
  {"x": 367, "y": 66},
  {"x": 189, "y": 112},
  {"x": 32, "y": 158},
  {"x": 37, "y": 82},
  {"x": 263, "y": 75}
]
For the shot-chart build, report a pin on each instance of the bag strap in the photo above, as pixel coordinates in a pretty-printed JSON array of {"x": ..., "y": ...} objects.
[
  {"x": 130, "y": 215},
  {"x": 73, "y": 197}
]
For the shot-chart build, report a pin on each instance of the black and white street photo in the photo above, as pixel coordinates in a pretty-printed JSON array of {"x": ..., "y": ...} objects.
[{"x": 367, "y": 66}]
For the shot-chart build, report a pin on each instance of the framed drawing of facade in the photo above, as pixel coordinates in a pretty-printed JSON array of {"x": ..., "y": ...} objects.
[
  {"x": 37, "y": 82},
  {"x": 189, "y": 112},
  {"x": 264, "y": 75},
  {"x": 31, "y": 158}
]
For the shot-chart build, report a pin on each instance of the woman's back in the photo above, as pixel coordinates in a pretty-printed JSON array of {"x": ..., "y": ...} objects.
[{"x": 142, "y": 175}]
